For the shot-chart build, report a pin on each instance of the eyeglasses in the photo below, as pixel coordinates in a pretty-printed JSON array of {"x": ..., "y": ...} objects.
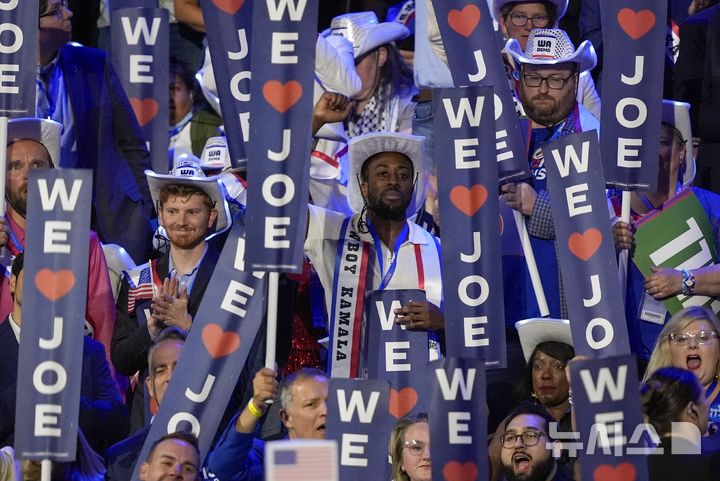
[
  {"x": 554, "y": 83},
  {"x": 416, "y": 448},
  {"x": 701, "y": 337},
  {"x": 538, "y": 21},
  {"x": 58, "y": 11},
  {"x": 529, "y": 438}
]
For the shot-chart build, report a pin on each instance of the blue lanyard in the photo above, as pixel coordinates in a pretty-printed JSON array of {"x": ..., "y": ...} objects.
[
  {"x": 379, "y": 253},
  {"x": 711, "y": 388}
]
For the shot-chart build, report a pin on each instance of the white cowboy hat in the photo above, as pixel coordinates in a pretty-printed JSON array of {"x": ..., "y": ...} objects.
[
  {"x": 46, "y": 131},
  {"x": 551, "y": 46},
  {"x": 188, "y": 172},
  {"x": 365, "y": 146},
  {"x": 677, "y": 114},
  {"x": 215, "y": 154},
  {"x": 534, "y": 331},
  {"x": 496, "y": 7},
  {"x": 365, "y": 32}
]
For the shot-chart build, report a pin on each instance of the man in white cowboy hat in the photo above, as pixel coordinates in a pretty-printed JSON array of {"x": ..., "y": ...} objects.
[
  {"x": 518, "y": 18},
  {"x": 645, "y": 314},
  {"x": 35, "y": 144},
  {"x": 377, "y": 247},
  {"x": 167, "y": 291},
  {"x": 548, "y": 73},
  {"x": 384, "y": 102}
]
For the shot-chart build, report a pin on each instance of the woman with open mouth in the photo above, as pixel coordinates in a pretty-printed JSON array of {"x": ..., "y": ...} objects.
[{"x": 691, "y": 340}]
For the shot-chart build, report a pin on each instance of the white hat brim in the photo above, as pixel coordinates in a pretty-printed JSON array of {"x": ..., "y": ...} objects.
[
  {"x": 377, "y": 35},
  {"x": 540, "y": 329},
  {"x": 584, "y": 56},
  {"x": 365, "y": 146},
  {"x": 497, "y": 6},
  {"x": 46, "y": 131},
  {"x": 210, "y": 185},
  {"x": 677, "y": 114}
]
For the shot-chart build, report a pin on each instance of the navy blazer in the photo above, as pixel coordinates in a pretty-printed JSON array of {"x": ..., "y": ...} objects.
[
  {"x": 120, "y": 458},
  {"x": 103, "y": 416},
  {"x": 110, "y": 142}
]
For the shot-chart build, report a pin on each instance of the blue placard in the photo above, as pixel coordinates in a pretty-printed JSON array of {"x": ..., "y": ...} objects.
[
  {"x": 284, "y": 35},
  {"x": 458, "y": 420},
  {"x": 467, "y": 189},
  {"x": 474, "y": 58},
  {"x": 53, "y": 316},
  {"x": 118, "y": 4},
  {"x": 585, "y": 245},
  {"x": 632, "y": 91},
  {"x": 140, "y": 54},
  {"x": 229, "y": 44},
  {"x": 358, "y": 419},
  {"x": 215, "y": 352},
  {"x": 609, "y": 420},
  {"x": 397, "y": 355},
  {"x": 19, "y": 44}
]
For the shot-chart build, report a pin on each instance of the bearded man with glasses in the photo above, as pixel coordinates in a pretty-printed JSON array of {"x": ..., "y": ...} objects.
[
  {"x": 527, "y": 448},
  {"x": 548, "y": 80}
]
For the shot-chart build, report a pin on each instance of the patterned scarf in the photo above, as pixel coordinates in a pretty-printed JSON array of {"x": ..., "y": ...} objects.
[{"x": 372, "y": 118}]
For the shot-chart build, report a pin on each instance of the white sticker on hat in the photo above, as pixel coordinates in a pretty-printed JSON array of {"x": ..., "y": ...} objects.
[{"x": 543, "y": 47}]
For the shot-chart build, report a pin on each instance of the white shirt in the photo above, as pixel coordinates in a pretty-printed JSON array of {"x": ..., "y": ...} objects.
[
  {"x": 321, "y": 245},
  {"x": 14, "y": 327}
]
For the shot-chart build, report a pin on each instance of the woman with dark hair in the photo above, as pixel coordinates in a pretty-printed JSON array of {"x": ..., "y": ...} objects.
[
  {"x": 674, "y": 403},
  {"x": 192, "y": 121},
  {"x": 546, "y": 382},
  {"x": 410, "y": 449}
]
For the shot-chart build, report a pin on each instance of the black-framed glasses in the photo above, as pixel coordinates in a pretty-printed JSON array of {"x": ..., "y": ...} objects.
[
  {"x": 58, "y": 11},
  {"x": 529, "y": 438},
  {"x": 700, "y": 337},
  {"x": 554, "y": 83},
  {"x": 416, "y": 447},
  {"x": 537, "y": 21}
]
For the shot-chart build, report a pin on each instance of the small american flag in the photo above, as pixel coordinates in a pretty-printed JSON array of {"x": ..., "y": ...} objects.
[
  {"x": 140, "y": 281},
  {"x": 301, "y": 460}
]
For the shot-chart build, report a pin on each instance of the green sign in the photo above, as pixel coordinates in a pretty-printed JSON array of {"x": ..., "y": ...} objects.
[{"x": 679, "y": 236}]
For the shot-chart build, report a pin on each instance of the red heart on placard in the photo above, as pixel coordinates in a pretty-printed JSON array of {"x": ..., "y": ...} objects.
[
  {"x": 621, "y": 472},
  {"x": 145, "y": 109},
  {"x": 468, "y": 201},
  {"x": 636, "y": 24},
  {"x": 584, "y": 245},
  {"x": 464, "y": 21},
  {"x": 54, "y": 285},
  {"x": 454, "y": 471},
  {"x": 282, "y": 97},
  {"x": 219, "y": 343},
  {"x": 402, "y": 402},
  {"x": 229, "y": 6}
]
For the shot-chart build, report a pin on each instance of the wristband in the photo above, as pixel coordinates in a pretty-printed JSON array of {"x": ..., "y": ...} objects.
[
  {"x": 688, "y": 283},
  {"x": 253, "y": 410}
]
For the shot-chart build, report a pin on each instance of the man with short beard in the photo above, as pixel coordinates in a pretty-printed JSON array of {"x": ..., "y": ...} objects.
[
  {"x": 527, "y": 448},
  {"x": 168, "y": 291},
  {"x": 377, "y": 248},
  {"x": 548, "y": 75}
]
